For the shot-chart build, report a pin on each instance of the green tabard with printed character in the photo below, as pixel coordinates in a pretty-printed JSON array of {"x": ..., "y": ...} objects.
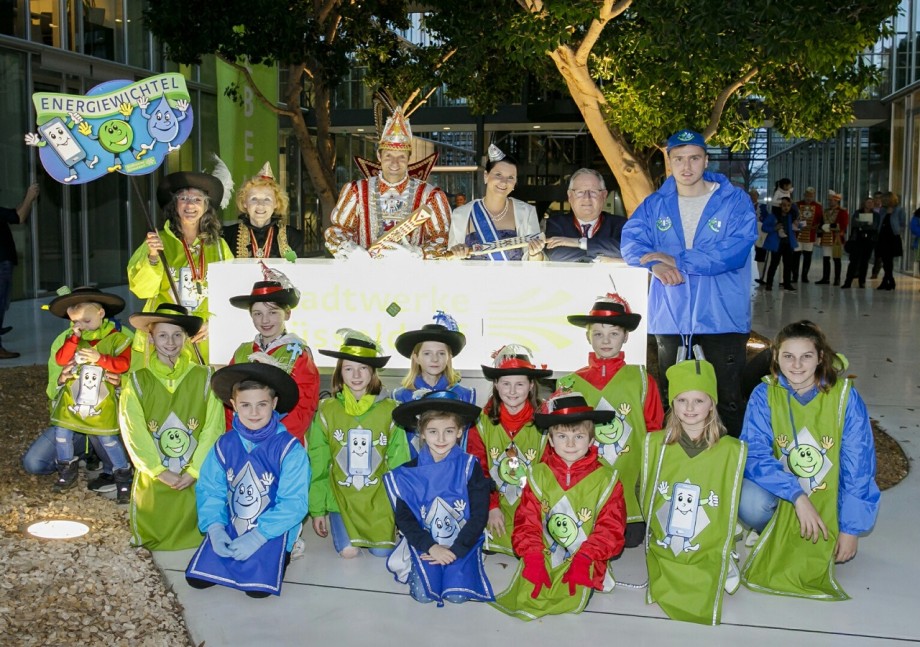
[
  {"x": 620, "y": 441},
  {"x": 86, "y": 403},
  {"x": 510, "y": 462},
  {"x": 359, "y": 448},
  {"x": 568, "y": 520},
  {"x": 691, "y": 505},
  {"x": 783, "y": 562}
]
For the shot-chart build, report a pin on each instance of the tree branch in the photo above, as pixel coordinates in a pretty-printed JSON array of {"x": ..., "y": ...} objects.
[
  {"x": 255, "y": 89},
  {"x": 609, "y": 11},
  {"x": 322, "y": 10},
  {"x": 716, "y": 115},
  {"x": 533, "y": 6},
  {"x": 408, "y": 102}
]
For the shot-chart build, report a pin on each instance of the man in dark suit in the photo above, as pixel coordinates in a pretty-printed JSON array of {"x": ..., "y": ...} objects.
[{"x": 587, "y": 233}]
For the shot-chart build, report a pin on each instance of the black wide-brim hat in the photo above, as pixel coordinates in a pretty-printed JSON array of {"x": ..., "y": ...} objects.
[
  {"x": 267, "y": 292},
  {"x": 358, "y": 350},
  {"x": 453, "y": 339},
  {"x": 190, "y": 180},
  {"x": 608, "y": 312},
  {"x": 406, "y": 415},
  {"x": 284, "y": 386},
  {"x": 569, "y": 408},
  {"x": 167, "y": 313},
  {"x": 111, "y": 303},
  {"x": 517, "y": 365}
]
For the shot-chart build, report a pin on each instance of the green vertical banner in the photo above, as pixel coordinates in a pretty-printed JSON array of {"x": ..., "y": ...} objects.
[{"x": 248, "y": 129}]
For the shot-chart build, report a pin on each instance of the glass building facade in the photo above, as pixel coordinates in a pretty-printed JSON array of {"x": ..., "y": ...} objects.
[
  {"x": 881, "y": 151},
  {"x": 81, "y": 235}
]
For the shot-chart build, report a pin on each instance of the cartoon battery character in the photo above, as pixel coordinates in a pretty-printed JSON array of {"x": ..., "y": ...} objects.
[
  {"x": 89, "y": 392},
  {"x": 191, "y": 292},
  {"x": 56, "y": 134},
  {"x": 683, "y": 516},
  {"x": 360, "y": 442}
]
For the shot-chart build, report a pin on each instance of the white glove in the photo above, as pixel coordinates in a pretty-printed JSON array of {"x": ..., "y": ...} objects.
[
  {"x": 400, "y": 250},
  {"x": 825, "y": 227},
  {"x": 350, "y": 249}
]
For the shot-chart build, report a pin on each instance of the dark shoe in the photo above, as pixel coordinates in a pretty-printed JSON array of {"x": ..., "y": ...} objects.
[
  {"x": 67, "y": 475},
  {"x": 845, "y": 286},
  {"x": 836, "y": 282},
  {"x": 5, "y": 330},
  {"x": 788, "y": 287},
  {"x": 760, "y": 281},
  {"x": 7, "y": 354},
  {"x": 123, "y": 478},
  {"x": 823, "y": 282},
  {"x": 102, "y": 483}
]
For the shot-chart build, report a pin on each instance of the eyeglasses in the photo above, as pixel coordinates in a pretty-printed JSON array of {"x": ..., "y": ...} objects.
[
  {"x": 586, "y": 193},
  {"x": 190, "y": 199}
]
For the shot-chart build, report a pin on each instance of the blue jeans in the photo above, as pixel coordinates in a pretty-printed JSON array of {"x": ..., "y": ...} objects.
[
  {"x": 41, "y": 456},
  {"x": 757, "y": 506},
  {"x": 109, "y": 447},
  {"x": 727, "y": 353},
  {"x": 341, "y": 540}
]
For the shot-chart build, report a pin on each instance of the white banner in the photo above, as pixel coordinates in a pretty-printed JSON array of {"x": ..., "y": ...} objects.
[{"x": 494, "y": 304}]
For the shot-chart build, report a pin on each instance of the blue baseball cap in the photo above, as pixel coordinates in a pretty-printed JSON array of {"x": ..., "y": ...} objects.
[{"x": 686, "y": 138}]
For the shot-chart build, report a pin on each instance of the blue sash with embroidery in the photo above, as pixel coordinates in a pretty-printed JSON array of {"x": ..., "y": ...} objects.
[
  {"x": 484, "y": 228},
  {"x": 437, "y": 494},
  {"x": 252, "y": 486}
]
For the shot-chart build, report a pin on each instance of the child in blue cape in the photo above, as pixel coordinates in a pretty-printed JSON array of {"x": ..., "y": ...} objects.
[
  {"x": 252, "y": 488},
  {"x": 441, "y": 503}
]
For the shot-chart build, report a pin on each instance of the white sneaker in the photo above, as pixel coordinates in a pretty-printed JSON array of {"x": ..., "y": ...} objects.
[
  {"x": 752, "y": 538},
  {"x": 297, "y": 550},
  {"x": 739, "y": 531},
  {"x": 733, "y": 579}
]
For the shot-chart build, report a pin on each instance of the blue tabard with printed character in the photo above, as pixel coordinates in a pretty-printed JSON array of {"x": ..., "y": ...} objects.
[
  {"x": 252, "y": 485},
  {"x": 438, "y": 496}
]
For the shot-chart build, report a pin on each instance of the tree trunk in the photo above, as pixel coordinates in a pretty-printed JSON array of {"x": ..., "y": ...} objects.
[
  {"x": 314, "y": 149},
  {"x": 631, "y": 174}
]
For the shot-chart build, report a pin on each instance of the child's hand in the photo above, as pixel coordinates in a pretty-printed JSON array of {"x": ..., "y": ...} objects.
[
  {"x": 810, "y": 521},
  {"x": 220, "y": 540},
  {"x": 77, "y": 330},
  {"x": 440, "y": 555},
  {"x": 579, "y": 572},
  {"x": 185, "y": 480},
  {"x": 113, "y": 378},
  {"x": 496, "y": 523},
  {"x": 202, "y": 334},
  {"x": 321, "y": 526},
  {"x": 88, "y": 356},
  {"x": 245, "y": 546},
  {"x": 846, "y": 547},
  {"x": 169, "y": 478},
  {"x": 535, "y": 572},
  {"x": 67, "y": 373}
]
